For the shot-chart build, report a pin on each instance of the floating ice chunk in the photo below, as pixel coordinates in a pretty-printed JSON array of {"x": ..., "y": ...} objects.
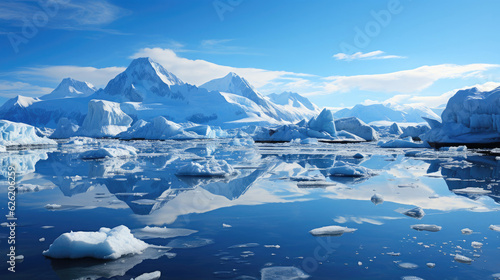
[
  {"x": 324, "y": 122},
  {"x": 345, "y": 169},
  {"x": 358, "y": 155},
  {"x": 272, "y": 246},
  {"x": 467, "y": 231},
  {"x": 417, "y": 213},
  {"x": 304, "y": 178},
  {"x": 246, "y": 245},
  {"x": 331, "y": 231},
  {"x": 424, "y": 227},
  {"x": 476, "y": 245},
  {"x": 472, "y": 190},
  {"x": 282, "y": 273},
  {"x": 19, "y": 257},
  {"x": 110, "y": 151},
  {"x": 103, "y": 244},
  {"x": 430, "y": 265},
  {"x": 411, "y": 278},
  {"x": 161, "y": 232},
  {"x": 407, "y": 265},
  {"x": 495, "y": 228},
  {"x": 47, "y": 227},
  {"x": 213, "y": 167},
  {"x": 395, "y": 129},
  {"x": 226, "y": 225},
  {"x": 357, "y": 127},
  {"x": 80, "y": 141},
  {"x": 53, "y": 206},
  {"x": 241, "y": 142},
  {"x": 15, "y": 134},
  {"x": 496, "y": 276},
  {"x": 394, "y": 254},
  {"x": 377, "y": 199},
  {"x": 401, "y": 143},
  {"x": 42, "y": 239},
  {"x": 462, "y": 259},
  {"x": 360, "y": 263},
  {"x": 306, "y": 141},
  {"x": 155, "y": 275}
]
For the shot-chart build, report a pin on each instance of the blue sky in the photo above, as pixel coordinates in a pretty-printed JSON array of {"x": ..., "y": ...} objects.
[{"x": 338, "y": 53}]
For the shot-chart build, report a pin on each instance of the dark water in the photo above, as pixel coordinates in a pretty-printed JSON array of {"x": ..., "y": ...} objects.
[{"x": 264, "y": 204}]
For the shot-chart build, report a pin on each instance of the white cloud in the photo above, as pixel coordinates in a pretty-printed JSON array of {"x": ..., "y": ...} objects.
[
  {"x": 61, "y": 14},
  {"x": 365, "y": 56},
  {"x": 97, "y": 76},
  {"x": 407, "y": 81},
  {"x": 9, "y": 89}
]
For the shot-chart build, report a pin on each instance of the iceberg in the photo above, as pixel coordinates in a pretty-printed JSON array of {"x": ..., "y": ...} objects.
[
  {"x": 414, "y": 131},
  {"x": 471, "y": 117},
  {"x": 424, "y": 227},
  {"x": 331, "y": 231},
  {"x": 104, "y": 244},
  {"x": 104, "y": 119},
  {"x": 212, "y": 168},
  {"x": 417, "y": 213},
  {"x": 462, "y": 259},
  {"x": 65, "y": 129},
  {"x": 345, "y": 169},
  {"x": 17, "y": 134},
  {"x": 357, "y": 127},
  {"x": 395, "y": 129},
  {"x": 324, "y": 122},
  {"x": 401, "y": 143}
]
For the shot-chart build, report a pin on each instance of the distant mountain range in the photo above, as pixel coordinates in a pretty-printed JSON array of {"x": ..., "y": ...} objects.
[
  {"x": 146, "y": 90},
  {"x": 380, "y": 112}
]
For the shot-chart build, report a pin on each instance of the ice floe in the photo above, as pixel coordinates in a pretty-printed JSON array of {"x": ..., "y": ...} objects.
[
  {"x": 467, "y": 231},
  {"x": 282, "y": 273},
  {"x": 425, "y": 227},
  {"x": 155, "y": 275},
  {"x": 110, "y": 151},
  {"x": 462, "y": 259},
  {"x": 495, "y": 228},
  {"x": 331, "y": 231},
  {"x": 161, "y": 232},
  {"x": 345, "y": 169},
  {"x": 407, "y": 265}
]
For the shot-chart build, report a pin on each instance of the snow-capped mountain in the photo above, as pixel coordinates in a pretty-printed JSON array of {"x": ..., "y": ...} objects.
[
  {"x": 292, "y": 99},
  {"x": 381, "y": 112},
  {"x": 146, "y": 90},
  {"x": 236, "y": 85},
  {"x": 70, "y": 88}
]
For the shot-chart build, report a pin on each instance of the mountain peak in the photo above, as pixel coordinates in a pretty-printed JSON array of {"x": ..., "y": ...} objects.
[
  {"x": 147, "y": 68},
  {"x": 69, "y": 88}
]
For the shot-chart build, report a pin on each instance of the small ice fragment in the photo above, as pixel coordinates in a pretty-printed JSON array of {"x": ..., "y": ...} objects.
[
  {"x": 430, "y": 265},
  {"x": 408, "y": 265},
  {"x": 377, "y": 199},
  {"x": 272, "y": 246},
  {"x": 476, "y": 245},
  {"x": 394, "y": 254},
  {"x": 148, "y": 276},
  {"x": 282, "y": 272},
  {"x": 416, "y": 212},
  {"x": 246, "y": 245},
  {"x": 53, "y": 206},
  {"x": 4, "y": 224},
  {"x": 360, "y": 263},
  {"x": 19, "y": 257},
  {"x": 462, "y": 259},
  {"x": 495, "y": 228},
  {"x": 331, "y": 231},
  {"x": 422, "y": 227},
  {"x": 411, "y": 278},
  {"x": 467, "y": 231},
  {"x": 161, "y": 232},
  {"x": 226, "y": 226},
  {"x": 47, "y": 227},
  {"x": 41, "y": 239}
]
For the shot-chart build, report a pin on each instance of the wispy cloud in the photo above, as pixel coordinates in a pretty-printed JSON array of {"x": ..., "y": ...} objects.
[
  {"x": 10, "y": 89},
  {"x": 407, "y": 81},
  {"x": 61, "y": 14},
  {"x": 365, "y": 56},
  {"x": 97, "y": 76}
]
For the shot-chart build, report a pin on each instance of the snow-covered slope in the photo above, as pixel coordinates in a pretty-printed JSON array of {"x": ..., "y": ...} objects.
[
  {"x": 145, "y": 90},
  {"x": 292, "y": 99},
  {"x": 232, "y": 83},
  {"x": 381, "y": 112},
  {"x": 471, "y": 116},
  {"x": 70, "y": 88}
]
